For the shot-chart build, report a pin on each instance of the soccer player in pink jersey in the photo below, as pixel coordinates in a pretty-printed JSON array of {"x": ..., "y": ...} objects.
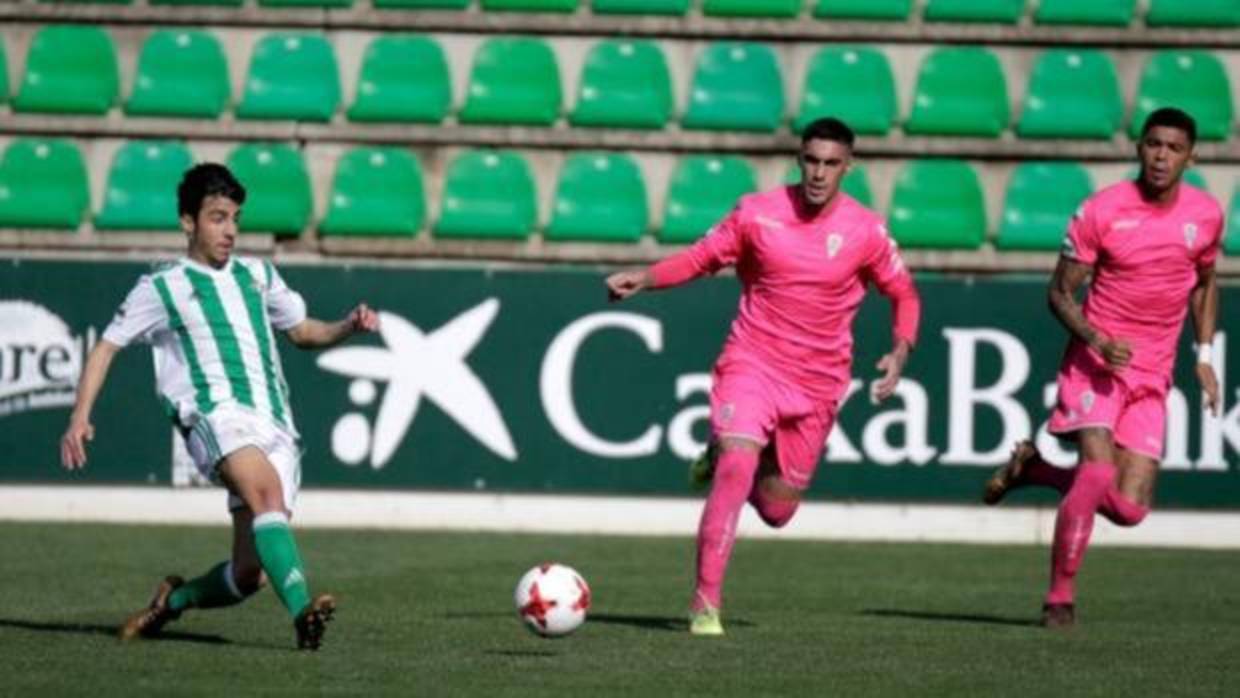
[
  {"x": 804, "y": 255},
  {"x": 1150, "y": 246}
]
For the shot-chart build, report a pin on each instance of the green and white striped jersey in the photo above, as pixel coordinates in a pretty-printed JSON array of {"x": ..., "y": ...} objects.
[{"x": 211, "y": 333}]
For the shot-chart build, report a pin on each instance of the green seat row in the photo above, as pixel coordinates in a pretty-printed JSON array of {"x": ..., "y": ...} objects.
[
  {"x": 1072, "y": 93},
  {"x": 487, "y": 194}
]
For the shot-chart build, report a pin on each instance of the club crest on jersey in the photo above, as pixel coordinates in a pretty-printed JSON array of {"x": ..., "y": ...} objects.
[
  {"x": 1190, "y": 234},
  {"x": 834, "y": 242},
  {"x": 1087, "y": 401}
]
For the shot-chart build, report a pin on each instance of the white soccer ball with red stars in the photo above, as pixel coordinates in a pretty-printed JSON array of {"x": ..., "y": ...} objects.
[{"x": 552, "y": 599}]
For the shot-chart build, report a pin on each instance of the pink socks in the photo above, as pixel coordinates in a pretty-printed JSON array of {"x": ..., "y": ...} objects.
[
  {"x": 1092, "y": 490},
  {"x": 734, "y": 478}
]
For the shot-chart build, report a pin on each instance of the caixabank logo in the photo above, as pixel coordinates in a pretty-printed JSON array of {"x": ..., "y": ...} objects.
[{"x": 40, "y": 358}]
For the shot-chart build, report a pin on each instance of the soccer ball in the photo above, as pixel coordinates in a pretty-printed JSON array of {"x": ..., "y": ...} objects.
[{"x": 552, "y": 599}]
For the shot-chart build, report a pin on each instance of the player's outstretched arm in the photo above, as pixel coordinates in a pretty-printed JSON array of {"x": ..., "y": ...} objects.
[
  {"x": 1203, "y": 306},
  {"x": 628, "y": 283},
  {"x": 80, "y": 430},
  {"x": 1070, "y": 275},
  {"x": 316, "y": 334}
]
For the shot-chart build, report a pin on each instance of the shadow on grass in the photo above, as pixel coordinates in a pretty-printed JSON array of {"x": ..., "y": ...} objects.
[
  {"x": 666, "y": 623},
  {"x": 522, "y": 654},
  {"x": 950, "y": 617},
  {"x": 107, "y": 630}
]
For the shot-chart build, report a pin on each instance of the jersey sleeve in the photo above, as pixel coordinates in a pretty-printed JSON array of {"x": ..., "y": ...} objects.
[
  {"x": 285, "y": 307},
  {"x": 139, "y": 317},
  {"x": 719, "y": 248},
  {"x": 1214, "y": 240},
  {"x": 1083, "y": 238},
  {"x": 885, "y": 267}
]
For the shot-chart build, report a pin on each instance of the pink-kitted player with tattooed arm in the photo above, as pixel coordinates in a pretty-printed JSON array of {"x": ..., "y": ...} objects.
[
  {"x": 804, "y": 255},
  {"x": 1150, "y": 245}
]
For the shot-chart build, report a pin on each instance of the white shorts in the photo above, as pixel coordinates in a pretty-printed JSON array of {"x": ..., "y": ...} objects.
[{"x": 227, "y": 429}]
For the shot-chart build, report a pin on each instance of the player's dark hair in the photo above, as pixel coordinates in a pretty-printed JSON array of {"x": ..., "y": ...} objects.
[
  {"x": 203, "y": 181},
  {"x": 1171, "y": 118},
  {"x": 828, "y": 129}
]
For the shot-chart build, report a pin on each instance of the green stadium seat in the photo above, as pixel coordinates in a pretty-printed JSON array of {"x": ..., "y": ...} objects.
[
  {"x": 751, "y": 8},
  {"x": 403, "y": 78},
  {"x": 530, "y": 5},
  {"x": 736, "y": 86},
  {"x": 421, "y": 4},
  {"x": 1073, "y": 93},
  {"x": 1193, "y": 13},
  {"x": 999, "y": 11},
  {"x": 1194, "y": 81},
  {"x": 306, "y": 3},
  {"x": 292, "y": 76},
  {"x": 938, "y": 204},
  {"x": 1231, "y": 242},
  {"x": 278, "y": 198},
  {"x": 513, "y": 81},
  {"x": 856, "y": 183},
  {"x": 960, "y": 92},
  {"x": 853, "y": 83},
  {"x": 488, "y": 194},
  {"x": 1041, "y": 198},
  {"x": 140, "y": 194},
  {"x": 879, "y": 10},
  {"x": 377, "y": 191},
  {"x": 1099, "y": 12},
  {"x": 639, "y": 7},
  {"x": 42, "y": 184},
  {"x": 180, "y": 73},
  {"x": 704, "y": 188},
  {"x": 230, "y": 3},
  {"x": 70, "y": 69},
  {"x": 626, "y": 84},
  {"x": 601, "y": 197}
]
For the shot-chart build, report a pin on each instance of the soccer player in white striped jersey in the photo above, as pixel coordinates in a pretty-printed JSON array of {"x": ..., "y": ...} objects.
[{"x": 209, "y": 319}]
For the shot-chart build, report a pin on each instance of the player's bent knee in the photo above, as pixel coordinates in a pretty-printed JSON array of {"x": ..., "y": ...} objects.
[
  {"x": 777, "y": 513},
  {"x": 249, "y": 578}
]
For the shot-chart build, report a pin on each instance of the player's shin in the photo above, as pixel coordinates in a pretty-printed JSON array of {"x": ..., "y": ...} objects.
[
  {"x": 1073, "y": 527},
  {"x": 214, "y": 589},
  {"x": 277, "y": 550},
  {"x": 734, "y": 473}
]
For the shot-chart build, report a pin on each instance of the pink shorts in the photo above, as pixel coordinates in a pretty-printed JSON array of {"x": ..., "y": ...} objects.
[
  {"x": 747, "y": 403},
  {"x": 1131, "y": 404}
]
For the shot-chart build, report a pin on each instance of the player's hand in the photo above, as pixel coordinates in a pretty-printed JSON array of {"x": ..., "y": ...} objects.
[
  {"x": 1209, "y": 387},
  {"x": 364, "y": 319},
  {"x": 1116, "y": 352},
  {"x": 892, "y": 365},
  {"x": 624, "y": 284},
  {"x": 73, "y": 444}
]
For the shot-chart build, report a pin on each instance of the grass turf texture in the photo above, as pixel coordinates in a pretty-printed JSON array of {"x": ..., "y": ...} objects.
[{"x": 431, "y": 614}]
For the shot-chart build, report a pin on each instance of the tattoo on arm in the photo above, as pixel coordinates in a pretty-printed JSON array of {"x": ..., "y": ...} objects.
[{"x": 1069, "y": 276}]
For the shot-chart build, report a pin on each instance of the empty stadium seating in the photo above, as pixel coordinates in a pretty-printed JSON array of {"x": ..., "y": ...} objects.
[
  {"x": 1005, "y": 11},
  {"x": 960, "y": 92},
  {"x": 640, "y": 7},
  {"x": 1099, "y": 12},
  {"x": 751, "y": 8},
  {"x": 884, "y": 10},
  {"x": 938, "y": 204},
  {"x": 403, "y": 78},
  {"x": 853, "y": 83},
  {"x": 531, "y": 5},
  {"x": 422, "y": 4},
  {"x": 1072, "y": 93},
  {"x": 69, "y": 69},
  {"x": 42, "y": 184},
  {"x": 736, "y": 86},
  {"x": 278, "y": 197},
  {"x": 488, "y": 194},
  {"x": 626, "y": 84},
  {"x": 291, "y": 76},
  {"x": 1194, "y": 81},
  {"x": 1041, "y": 198},
  {"x": 376, "y": 191},
  {"x": 180, "y": 73},
  {"x": 600, "y": 197},
  {"x": 702, "y": 191},
  {"x": 1231, "y": 242},
  {"x": 1193, "y": 13},
  {"x": 513, "y": 81},
  {"x": 141, "y": 192}
]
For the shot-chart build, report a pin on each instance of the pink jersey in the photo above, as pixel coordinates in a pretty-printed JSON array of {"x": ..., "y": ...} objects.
[
  {"x": 1145, "y": 258},
  {"x": 802, "y": 282}
]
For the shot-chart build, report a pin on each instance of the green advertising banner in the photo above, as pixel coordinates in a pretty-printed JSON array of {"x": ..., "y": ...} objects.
[{"x": 528, "y": 381}]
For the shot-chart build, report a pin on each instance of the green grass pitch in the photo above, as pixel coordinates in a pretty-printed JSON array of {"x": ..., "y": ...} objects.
[{"x": 432, "y": 614}]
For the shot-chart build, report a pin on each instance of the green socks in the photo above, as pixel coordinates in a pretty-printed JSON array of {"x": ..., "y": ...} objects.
[
  {"x": 215, "y": 589},
  {"x": 278, "y": 553}
]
